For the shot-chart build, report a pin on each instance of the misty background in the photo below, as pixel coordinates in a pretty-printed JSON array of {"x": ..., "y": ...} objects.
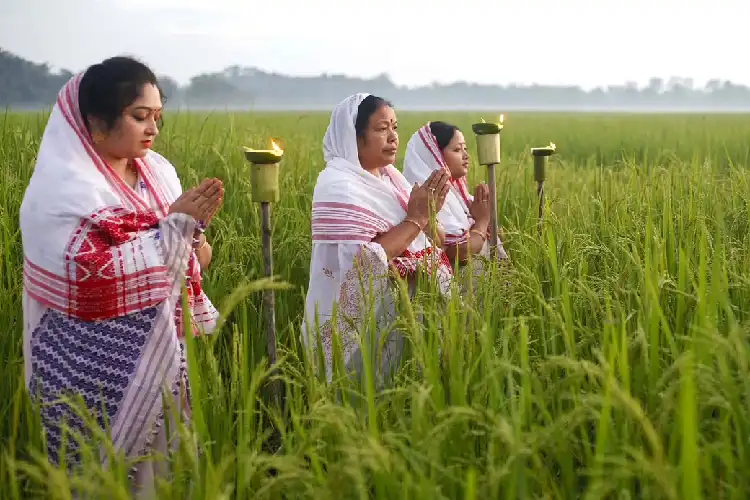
[{"x": 579, "y": 55}]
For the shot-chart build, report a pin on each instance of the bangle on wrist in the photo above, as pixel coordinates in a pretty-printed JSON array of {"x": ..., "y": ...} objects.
[
  {"x": 415, "y": 223},
  {"x": 480, "y": 233},
  {"x": 197, "y": 245}
]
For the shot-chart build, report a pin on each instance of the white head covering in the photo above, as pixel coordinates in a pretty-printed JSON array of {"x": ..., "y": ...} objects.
[
  {"x": 350, "y": 205},
  {"x": 423, "y": 156},
  {"x": 340, "y": 140},
  {"x": 350, "y": 208},
  {"x": 78, "y": 216}
]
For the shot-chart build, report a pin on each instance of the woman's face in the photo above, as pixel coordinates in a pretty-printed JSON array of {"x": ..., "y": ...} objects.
[
  {"x": 456, "y": 156},
  {"x": 379, "y": 144},
  {"x": 135, "y": 130}
]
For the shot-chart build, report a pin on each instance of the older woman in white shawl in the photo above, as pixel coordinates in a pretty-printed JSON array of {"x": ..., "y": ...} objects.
[
  {"x": 366, "y": 221},
  {"x": 465, "y": 219},
  {"x": 109, "y": 240}
]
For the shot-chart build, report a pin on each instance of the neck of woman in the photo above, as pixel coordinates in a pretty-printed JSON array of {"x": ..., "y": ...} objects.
[
  {"x": 374, "y": 170},
  {"x": 123, "y": 168},
  {"x": 120, "y": 166}
]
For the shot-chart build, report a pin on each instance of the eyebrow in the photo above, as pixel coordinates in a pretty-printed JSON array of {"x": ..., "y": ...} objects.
[{"x": 146, "y": 108}]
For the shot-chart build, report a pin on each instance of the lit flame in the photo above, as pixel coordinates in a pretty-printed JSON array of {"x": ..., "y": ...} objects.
[
  {"x": 501, "y": 118},
  {"x": 552, "y": 145},
  {"x": 276, "y": 146}
]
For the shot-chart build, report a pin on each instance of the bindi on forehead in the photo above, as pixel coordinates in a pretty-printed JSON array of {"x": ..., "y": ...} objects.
[
  {"x": 150, "y": 99},
  {"x": 147, "y": 108}
]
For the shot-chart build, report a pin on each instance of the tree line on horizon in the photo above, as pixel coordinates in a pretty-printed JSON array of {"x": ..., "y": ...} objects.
[{"x": 25, "y": 84}]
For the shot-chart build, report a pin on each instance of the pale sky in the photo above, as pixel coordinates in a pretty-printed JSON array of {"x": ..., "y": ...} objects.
[{"x": 582, "y": 42}]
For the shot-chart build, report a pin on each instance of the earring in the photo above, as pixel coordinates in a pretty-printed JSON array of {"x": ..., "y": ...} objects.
[{"x": 97, "y": 137}]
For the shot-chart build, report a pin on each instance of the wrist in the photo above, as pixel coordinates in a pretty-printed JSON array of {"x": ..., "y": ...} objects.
[
  {"x": 419, "y": 222},
  {"x": 199, "y": 241},
  {"x": 481, "y": 224}
]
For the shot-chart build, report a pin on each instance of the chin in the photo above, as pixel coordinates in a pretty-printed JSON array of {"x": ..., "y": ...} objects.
[{"x": 389, "y": 160}]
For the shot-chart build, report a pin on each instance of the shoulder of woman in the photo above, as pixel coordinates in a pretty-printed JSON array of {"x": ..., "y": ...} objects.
[
  {"x": 161, "y": 165},
  {"x": 164, "y": 170},
  {"x": 158, "y": 161},
  {"x": 398, "y": 177},
  {"x": 330, "y": 188}
]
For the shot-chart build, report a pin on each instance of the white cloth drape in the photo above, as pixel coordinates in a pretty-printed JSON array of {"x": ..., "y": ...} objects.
[
  {"x": 104, "y": 265},
  {"x": 348, "y": 270},
  {"x": 423, "y": 156}
]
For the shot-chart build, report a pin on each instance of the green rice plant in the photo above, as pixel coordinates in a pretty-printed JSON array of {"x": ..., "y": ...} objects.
[{"x": 609, "y": 360}]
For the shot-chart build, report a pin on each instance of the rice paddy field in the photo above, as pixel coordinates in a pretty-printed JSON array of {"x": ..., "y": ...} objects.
[{"x": 610, "y": 361}]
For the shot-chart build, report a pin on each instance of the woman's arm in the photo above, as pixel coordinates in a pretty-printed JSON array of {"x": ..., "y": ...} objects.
[
  {"x": 473, "y": 245},
  {"x": 204, "y": 252},
  {"x": 398, "y": 239}
]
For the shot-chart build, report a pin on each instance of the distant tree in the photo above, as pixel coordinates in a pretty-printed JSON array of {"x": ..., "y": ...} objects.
[
  {"x": 24, "y": 83},
  {"x": 170, "y": 87}
]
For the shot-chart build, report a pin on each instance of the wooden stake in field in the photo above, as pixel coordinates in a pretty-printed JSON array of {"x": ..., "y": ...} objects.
[
  {"x": 540, "y": 166},
  {"x": 264, "y": 179},
  {"x": 488, "y": 153}
]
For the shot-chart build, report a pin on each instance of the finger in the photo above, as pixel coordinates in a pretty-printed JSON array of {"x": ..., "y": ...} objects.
[
  {"x": 444, "y": 177},
  {"x": 444, "y": 190},
  {"x": 200, "y": 188},
  {"x": 429, "y": 183},
  {"x": 437, "y": 184},
  {"x": 444, "y": 187},
  {"x": 188, "y": 194},
  {"x": 209, "y": 196},
  {"x": 208, "y": 186},
  {"x": 431, "y": 179},
  {"x": 205, "y": 199},
  {"x": 439, "y": 179},
  {"x": 212, "y": 213},
  {"x": 210, "y": 209}
]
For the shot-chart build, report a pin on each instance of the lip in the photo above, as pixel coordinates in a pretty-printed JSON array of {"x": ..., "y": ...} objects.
[
  {"x": 391, "y": 151},
  {"x": 147, "y": 143}
]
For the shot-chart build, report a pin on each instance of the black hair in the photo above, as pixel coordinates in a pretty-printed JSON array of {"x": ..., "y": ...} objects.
[
  {"x": 443, "y": 133},
  {"x": 107, "y": 88},
  {"x": 365, "y": 110}
]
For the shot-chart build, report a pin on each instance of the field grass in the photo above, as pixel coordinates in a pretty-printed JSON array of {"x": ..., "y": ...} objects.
[{"x": 614, "y": 365}]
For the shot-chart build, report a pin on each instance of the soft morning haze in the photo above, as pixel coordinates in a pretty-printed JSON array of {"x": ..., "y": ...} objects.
[{"x": 585, "y": 43}]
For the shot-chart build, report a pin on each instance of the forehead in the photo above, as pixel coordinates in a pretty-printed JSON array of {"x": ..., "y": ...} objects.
[
  {"x": 383, "y": 113},
  {"x": 149, "y": 97},
  {"x": 458, "y": 138}
]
